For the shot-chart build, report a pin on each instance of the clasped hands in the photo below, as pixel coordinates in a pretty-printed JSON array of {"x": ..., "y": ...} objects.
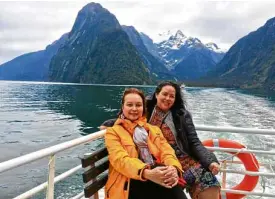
[{"x": 166, "y": 176}]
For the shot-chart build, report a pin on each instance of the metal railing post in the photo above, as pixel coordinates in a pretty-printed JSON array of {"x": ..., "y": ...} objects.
[
  {"x": 224, "y": 176},
  {"x": 50, "y": 187},
  {"x": 223, "y": 194},
  {"x": 95, "y": 196}
]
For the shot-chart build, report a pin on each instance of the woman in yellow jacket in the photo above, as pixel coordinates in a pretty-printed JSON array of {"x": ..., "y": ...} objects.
[{"x": 142, "y": 164}]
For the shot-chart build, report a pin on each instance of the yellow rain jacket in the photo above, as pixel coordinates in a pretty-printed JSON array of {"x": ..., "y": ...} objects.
[{"x": 123, "y": 155}]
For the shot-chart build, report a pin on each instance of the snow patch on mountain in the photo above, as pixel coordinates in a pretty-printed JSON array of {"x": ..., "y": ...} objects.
[
  {"x": 174, "y": 46},
  {"x": 214, "y": 47}
]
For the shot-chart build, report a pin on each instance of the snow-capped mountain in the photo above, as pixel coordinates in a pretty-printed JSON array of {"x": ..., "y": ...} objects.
[
  {"x": 212, "y": 46},
  {"x": 186, "y": 57},
  {"x": 174, "y": 41},
  {"x": 149, "y": 44},
  {"x": 178, "y": 47},
  {"x": 155, "y": 66},
  {"x": 164, "y": 36}
]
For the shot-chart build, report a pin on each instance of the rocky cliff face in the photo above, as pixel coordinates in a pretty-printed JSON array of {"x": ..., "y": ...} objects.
[
  {"x": 155, "y": 66},
  {"x": 250, "y": 62},
  {"x": 98, "y": 51}
]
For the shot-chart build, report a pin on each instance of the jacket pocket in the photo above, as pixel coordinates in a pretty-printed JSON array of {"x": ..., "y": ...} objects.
[
  {"x": 127, "y": 142},
  {"x": 130, "y": 147}
]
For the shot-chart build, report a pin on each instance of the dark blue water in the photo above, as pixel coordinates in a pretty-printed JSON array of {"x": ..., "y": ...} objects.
[{"x": 37, "y": 115}]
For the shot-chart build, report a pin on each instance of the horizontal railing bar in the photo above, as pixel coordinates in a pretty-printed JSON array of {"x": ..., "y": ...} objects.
[
  {"x": 78, "y": 196},
  {"x": 16, "y": 162},
  {"x": 235, "y": 130},
  {"x": 250, "y": 173},
  {"x": 42, "y": 186},
  {"x": 244, "y": 150},
  {"x": 248, "y": 193},
  {"x": 239, "y": 162},
  {"x": 57, "y": 148}
]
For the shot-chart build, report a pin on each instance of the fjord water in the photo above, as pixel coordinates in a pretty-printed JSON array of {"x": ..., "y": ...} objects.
[{"x": 36, "y": 115}]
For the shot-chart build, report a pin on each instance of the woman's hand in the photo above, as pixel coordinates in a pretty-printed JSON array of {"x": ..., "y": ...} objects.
[
  {"x": 157, "y": 175},
  {"x": 214, "y": 168},
  {"x": 171, "y": 176}
]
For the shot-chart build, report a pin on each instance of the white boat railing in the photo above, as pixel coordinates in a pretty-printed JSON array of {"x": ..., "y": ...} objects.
[{"x": 52, "y": 151}]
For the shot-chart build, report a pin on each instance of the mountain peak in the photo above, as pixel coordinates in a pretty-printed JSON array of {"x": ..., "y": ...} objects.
[
  {"x": 91, "y": 8},
  {"x": 129, "y": 27},
  {"x": 194, "y": 40},
  {"x": 134, "y": 36},
  {"x": 170, "y": 35},
  {"x": 214, "y": 47},
  {"x": 179, "y": 34},
  {"x": 271, "y": 22},
  {"x": 164, "y": 36},
  {"x": 94, "y": 18},
  {"x": 211, "y": 44}
]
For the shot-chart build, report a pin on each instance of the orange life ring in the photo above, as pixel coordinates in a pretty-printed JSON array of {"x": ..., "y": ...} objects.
[{"x": 250, "y": 163}]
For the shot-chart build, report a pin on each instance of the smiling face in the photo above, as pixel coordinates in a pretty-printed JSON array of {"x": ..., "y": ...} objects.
[
  {"x": 132, "y": 107},
  {"x": 166, "y": 97}
]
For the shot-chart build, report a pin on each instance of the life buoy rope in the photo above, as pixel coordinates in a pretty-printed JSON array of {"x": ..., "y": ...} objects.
[{"x": 249, "y": 161}]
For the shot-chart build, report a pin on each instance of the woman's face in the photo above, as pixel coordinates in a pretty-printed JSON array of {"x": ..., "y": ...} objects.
[
  {"x": 166, "y": 97},
  {"x": 133, "y": 106}
]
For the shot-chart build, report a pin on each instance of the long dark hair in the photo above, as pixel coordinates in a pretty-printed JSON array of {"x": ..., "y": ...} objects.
[
  {"x": 179, "y": 100},
  {"x": 133, "y": 91}
]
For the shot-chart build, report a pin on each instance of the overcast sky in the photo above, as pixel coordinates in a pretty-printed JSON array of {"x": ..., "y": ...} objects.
[{"x": 31, "y": 26}]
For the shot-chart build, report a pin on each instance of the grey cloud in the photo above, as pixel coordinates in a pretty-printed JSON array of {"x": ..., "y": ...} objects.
[
  {"x": 221, "y": 22},
  {"x": 40, "y": 23},
  {"x": 31, "y": 20},
  {"x": 120, "y": 4},
  {"x": 230, "y": 27},
  {"x": 31, "y": 26},
  {"x": 23, "y": 46},
  {"x": 13, "y": 47},
  {"x": 9, "y": 54},
  {"x": 28, "y": 35}
]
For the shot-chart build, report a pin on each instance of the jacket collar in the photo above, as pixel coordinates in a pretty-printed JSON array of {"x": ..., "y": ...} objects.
[{"x": 131, "y": 125}]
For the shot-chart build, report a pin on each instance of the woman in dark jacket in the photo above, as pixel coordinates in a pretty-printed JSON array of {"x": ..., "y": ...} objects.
[{"x": 166, "y": 109}]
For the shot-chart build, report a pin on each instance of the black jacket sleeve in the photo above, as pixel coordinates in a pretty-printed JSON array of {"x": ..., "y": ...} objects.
[
  {"x": 109, "y": 123},
  {"x": 204, "y": 156}
]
